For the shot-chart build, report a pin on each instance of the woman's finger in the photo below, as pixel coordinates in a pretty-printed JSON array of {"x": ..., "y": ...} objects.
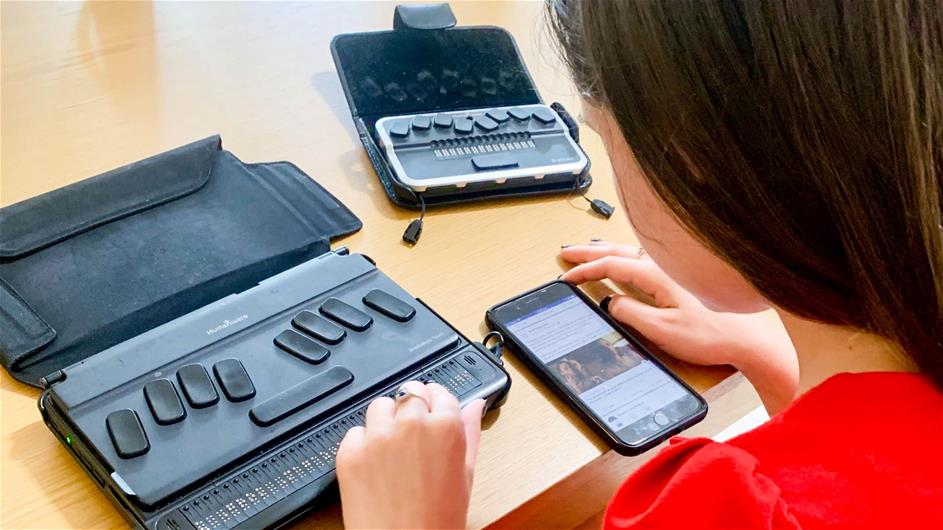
[
  {"x": 350, "y": 445},
  {"x": 415, "y": 403},
  {"x": 646, "y": 319},
  {"x": 644, "y": 275},
  {"x": 441, "y": 401},
  {"x": 380, "y": 413},
  {"x": 471, "y": 417},
  {"x": 601, "y": 249}
]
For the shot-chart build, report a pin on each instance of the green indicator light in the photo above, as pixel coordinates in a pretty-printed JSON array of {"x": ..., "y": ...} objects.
[{"x": 68, "y": 439}]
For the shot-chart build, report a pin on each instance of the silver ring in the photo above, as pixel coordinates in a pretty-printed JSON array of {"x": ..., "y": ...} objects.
[{"x": 404, "y": 393}]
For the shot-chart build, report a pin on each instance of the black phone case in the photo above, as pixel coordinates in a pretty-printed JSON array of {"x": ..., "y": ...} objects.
[
  {"x": 564, "y": 394},
  {"x": 418, "y": 29}
]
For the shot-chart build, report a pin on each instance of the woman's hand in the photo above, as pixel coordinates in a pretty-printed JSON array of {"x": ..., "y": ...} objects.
[
  {"x": 411, "y": 466},
  {"x": 678, "y": 323}
]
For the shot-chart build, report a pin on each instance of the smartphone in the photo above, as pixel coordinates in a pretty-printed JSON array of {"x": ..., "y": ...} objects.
[{"x": 597, "y": 367}]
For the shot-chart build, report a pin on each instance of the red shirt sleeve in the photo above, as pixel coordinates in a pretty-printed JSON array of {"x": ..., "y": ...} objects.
[{"x": 699, "y": 483}]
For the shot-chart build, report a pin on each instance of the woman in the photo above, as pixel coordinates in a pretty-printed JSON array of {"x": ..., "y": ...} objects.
[{"x": 768, "y": 154}]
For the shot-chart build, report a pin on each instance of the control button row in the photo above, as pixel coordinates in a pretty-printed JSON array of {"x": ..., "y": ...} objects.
[
  {"x": 302, "y": 346},
  {"x": 487, "y": 122},
  {"x": 124, "y": 426}
]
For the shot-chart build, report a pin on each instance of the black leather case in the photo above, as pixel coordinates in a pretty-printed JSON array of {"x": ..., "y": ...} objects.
[
  {"x": 427, "y": 64},
  {"x": 90, "y": 265}
]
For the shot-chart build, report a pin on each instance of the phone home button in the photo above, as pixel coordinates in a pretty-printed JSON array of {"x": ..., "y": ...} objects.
[{"x": 661, "y": 419}]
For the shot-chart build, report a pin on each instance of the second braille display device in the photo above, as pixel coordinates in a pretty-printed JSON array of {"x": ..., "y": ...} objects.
[
  {"x": 450, "y": 114},
  {"x": 485, "y": 145}
]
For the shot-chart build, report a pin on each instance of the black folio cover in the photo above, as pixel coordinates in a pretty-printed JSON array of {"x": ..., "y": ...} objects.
[
  {"x": 427, "y": 65},
  {"x": 92, "y": 264}
]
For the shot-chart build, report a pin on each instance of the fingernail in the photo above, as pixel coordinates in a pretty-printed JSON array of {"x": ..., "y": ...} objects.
[
  {"x": 604, "y": 303},
  {"x": 565, "y": 246}
]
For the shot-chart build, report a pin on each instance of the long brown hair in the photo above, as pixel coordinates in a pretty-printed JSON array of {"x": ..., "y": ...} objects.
[{"x": 801, "y": 141}]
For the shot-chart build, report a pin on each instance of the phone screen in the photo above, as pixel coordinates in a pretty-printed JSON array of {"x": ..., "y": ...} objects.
[{"x": 633, "y": 396}]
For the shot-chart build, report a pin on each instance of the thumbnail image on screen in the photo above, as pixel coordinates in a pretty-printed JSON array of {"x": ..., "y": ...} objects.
[{"x": 595, "y": 363}]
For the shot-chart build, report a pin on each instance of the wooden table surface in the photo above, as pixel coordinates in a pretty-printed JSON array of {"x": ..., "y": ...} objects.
[{"x": 89, "y": 87}]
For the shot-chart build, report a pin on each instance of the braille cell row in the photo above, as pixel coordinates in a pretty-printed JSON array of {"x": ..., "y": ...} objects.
[
  {"x": 294, "y": 466},
  {"x": 484, "y": 148}
]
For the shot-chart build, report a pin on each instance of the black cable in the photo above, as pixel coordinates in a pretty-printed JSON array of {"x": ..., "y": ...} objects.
[
  {"x": 414, "y": 230},
  {"x": 597, "y": 205}
]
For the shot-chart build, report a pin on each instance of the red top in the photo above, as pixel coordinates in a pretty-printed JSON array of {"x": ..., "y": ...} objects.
[{"x": 859, "y": 450}]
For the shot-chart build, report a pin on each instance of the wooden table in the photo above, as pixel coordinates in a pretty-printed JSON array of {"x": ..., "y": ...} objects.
[{"x": 88, "y": 87}]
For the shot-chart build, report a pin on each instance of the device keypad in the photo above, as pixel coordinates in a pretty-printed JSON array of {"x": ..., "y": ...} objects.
[
  {"x": 400, "y": 128},
  {"x": 443, "y": 120},
  {"x": 519, "y": 114},
  {"x": 346, "y": 315},
  {"x": 543, "y": 115},
  {"x": 389, "y": 305},
  {"x": 165, "y": 404},
  {"x": 301, "y": 347},
  {"x": 442, "y": 126},
  {"x": 127, "y": 433},
  {"x": 318, "y": 327},
  {"x": 486, "y": 124},
  {"x": 234, "y": 380},
  {"x": 463, "y": 125},
  {"x": 421, "y": 123},
  {"x": 197, "y": 386},
  {"x": 498, "y": 115}
]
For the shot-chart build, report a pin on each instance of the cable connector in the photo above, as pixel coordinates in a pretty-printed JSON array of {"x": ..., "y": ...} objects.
[
  {"x": 414, "y": 230},
  {"x": 601, "y": 207}
]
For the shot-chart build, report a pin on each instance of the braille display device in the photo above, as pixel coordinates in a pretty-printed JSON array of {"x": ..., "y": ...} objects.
[
  {"x": 230, "y": 416},
  {"x": 450, "y": 114},
  {"x": 496, "y": 144}
]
